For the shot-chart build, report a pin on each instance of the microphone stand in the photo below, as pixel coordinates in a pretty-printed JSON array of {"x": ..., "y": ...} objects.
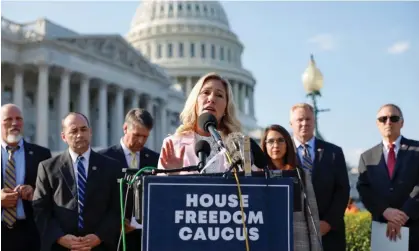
[{"x": 308, "y": 207}]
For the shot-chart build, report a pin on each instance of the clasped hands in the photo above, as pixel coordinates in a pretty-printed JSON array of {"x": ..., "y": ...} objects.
[
  {"x": 396, "y": 219},
  {"x": 9, "y": 197},
  {"x": 83, "y": 243}
]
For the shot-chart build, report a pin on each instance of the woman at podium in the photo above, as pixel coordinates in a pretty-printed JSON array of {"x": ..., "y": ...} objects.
[
  {"x": 280, "y": 152},
  {"x": 211, "y": 94}
]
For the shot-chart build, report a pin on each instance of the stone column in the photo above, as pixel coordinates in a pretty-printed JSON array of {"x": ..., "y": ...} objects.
[
  {"x": 251, "y": 101},
  {"x": 118, "y": 116},
  {"x": 135, "y": 100},
  {"x": 18, "y": 93},
  {"x": 103, "y": 115},
  {"x": 243, "y": 97},
  {"x": 42, "y": 106},
  {"x": 235, "y": 86},
  {"x": 163, "y": 123},
  {"x": 189, "y": 85},
  {"x": 85, "y": 96},
  {"x": 64, "y": 105},
  {"x": 151, "y": 138}
]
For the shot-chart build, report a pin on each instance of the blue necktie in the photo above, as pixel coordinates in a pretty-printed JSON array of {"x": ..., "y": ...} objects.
[
  {"x": 81, "y": 185},
  {"x": 307, "y": 161}
]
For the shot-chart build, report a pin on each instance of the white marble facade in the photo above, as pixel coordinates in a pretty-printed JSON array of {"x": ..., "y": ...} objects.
[
  {"x": 103, "y": 77},
  {"x": 50, "y": 70}
]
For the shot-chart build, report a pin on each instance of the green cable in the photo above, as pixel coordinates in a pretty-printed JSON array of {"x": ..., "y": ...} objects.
[{"x": 121, "y": 199}]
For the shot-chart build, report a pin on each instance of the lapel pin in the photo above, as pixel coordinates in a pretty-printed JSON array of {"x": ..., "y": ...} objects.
[
  {"x": 146, "y": 155},
  {"x": 94, "y": 168},
  {"x": 30, "y": 152}
]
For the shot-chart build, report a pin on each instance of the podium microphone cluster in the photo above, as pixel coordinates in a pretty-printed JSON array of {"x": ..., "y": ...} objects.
[
  {"x": 202, "y": 151},
  {"x": 208, "y": 123}
]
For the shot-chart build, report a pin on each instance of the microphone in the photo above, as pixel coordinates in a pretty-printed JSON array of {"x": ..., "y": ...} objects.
[
  {"x": 202, "y": 151},
  {"x": 138, "y": 189},
  {"x": 233, "y": 145},
  {"x": 208, "y": 123}
]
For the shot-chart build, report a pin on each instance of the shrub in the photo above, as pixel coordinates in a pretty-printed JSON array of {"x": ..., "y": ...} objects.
[{"x": 358, "y": 231}]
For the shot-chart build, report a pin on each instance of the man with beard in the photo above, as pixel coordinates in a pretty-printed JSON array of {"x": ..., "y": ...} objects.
[
  {"x": 388, "y": 181},
  {"x": 131, "y": 153},
  {"x": 19, "y": 160},
  {"x": 76, "y": 197}
]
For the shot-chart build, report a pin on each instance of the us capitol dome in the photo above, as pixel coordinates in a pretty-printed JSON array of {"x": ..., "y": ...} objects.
[{"x": 189, "y": 39}]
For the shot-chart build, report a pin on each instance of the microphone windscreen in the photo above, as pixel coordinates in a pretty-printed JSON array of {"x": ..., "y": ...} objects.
[
  {"x": 234, "y": 146},
  {"x": 202, "y": 146},
  {"x": 206, "y": 119},
  {"x": 259, "y": 157}
]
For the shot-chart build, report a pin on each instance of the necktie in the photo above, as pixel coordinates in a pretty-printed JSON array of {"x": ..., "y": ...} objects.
[
  {"x": 9, "y": 214},
  {"x": 391, "y": 160},
  {"x": 81, "y": 185},
  {"x": 133, "y": 161},
  {"x": 307, "y": 162}
]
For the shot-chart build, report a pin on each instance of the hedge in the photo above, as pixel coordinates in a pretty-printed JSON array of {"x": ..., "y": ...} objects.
[{"x": 358, "y": 231}]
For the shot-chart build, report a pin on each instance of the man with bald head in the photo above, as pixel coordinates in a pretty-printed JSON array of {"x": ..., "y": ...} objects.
[
  {"x": 326, "y": 164},
  {"x": 19, "y": 161},
  {"x": 388, "y": 181},
  {"x": 76, "y": 197}
]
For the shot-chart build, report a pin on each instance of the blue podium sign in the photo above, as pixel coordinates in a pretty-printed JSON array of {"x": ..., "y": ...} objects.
[{"x": 191, "y": 213}]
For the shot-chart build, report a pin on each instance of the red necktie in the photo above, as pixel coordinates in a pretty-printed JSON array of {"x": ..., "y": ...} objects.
[{"x": 391, "y": 160}]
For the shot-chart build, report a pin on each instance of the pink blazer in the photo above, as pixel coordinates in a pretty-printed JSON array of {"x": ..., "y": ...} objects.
[{"x": 189, "y": 159}]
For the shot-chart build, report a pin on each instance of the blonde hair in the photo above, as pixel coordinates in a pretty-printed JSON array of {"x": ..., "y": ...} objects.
[
  {"x": 189, "y": 117},
  {"x": 303, "y": 106}
]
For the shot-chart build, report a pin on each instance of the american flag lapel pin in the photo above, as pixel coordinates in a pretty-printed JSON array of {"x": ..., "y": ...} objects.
[
  {"x": 30, "y": 152},
  {"x": 94, "y": 168}
]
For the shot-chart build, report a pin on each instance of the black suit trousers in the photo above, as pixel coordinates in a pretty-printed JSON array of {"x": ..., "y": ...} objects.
[{"x": 22, "y": 237}]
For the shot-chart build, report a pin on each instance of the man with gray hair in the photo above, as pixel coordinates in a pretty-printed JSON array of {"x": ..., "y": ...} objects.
[
  {"x": 19, "y": 160},
  {"x": 131, "y": 153}
]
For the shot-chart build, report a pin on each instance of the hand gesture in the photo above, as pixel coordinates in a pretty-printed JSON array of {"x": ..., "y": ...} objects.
[
  {"x": 90, "y": 240},
  {"x": 169, "y": 159},
  {"x": 72, "y": 242},
  {"x": 396, "y": 216},
  {"x": 25, "y": 192},
  {"x": 8, "y": 197},
  {"x": 393, "y": 231}
]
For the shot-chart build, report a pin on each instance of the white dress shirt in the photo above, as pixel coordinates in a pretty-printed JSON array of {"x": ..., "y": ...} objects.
[
  {"x": 85, "y": 162},
  {"x": 300, "y": 149},
  {"x": 386, "y": 148}
]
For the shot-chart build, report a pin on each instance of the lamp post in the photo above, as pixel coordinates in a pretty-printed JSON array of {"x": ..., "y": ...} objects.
[{"x": 313, "y": 81}]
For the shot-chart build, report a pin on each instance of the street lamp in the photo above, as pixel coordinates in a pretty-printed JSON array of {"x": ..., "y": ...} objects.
[{"x": 313, "y": 82}]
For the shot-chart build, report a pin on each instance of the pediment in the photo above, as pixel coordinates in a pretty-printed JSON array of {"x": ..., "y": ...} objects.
[{"x": 114, "y": 48}]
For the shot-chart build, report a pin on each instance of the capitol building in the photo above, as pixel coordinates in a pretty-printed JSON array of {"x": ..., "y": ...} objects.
[{"x": 49, "y": 70}]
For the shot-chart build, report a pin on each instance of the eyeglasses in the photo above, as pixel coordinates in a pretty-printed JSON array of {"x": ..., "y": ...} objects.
[
  {"x": 273, "y": 141},
  {"x": 394, "y": 119}
]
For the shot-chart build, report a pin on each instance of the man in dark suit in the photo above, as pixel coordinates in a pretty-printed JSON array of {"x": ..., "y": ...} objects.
[
  {"x": 327, "y": 166},
  {"x": 76, "y": 197},
  {"x": 131, "y": 153},
  {"x": 19, "y": 163},
  {"x": 388, "y": 181}
]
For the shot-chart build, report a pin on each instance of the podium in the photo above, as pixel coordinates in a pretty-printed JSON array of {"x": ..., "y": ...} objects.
[{"x": 191, "y": 213}]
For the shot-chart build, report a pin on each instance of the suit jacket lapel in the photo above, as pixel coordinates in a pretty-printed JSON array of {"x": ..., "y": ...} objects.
[
  {"x": 67, "y": 171},
  {"x": 401, "y": 156},
  {"x": 144, "y": 159},
  {"x": 120, "y": 155},
  {"x": 318, "y": 153},
  {"x": 93, "y": 175},
  {"x": 29, "y": 159},
  {"x": 378, "y": 157}
]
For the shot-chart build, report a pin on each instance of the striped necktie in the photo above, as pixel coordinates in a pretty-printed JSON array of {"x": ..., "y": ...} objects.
[
  {"x": 307, "y": 161},
  {"x": 81, "y": 185},
  {"x": 9, "y": 214}
]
